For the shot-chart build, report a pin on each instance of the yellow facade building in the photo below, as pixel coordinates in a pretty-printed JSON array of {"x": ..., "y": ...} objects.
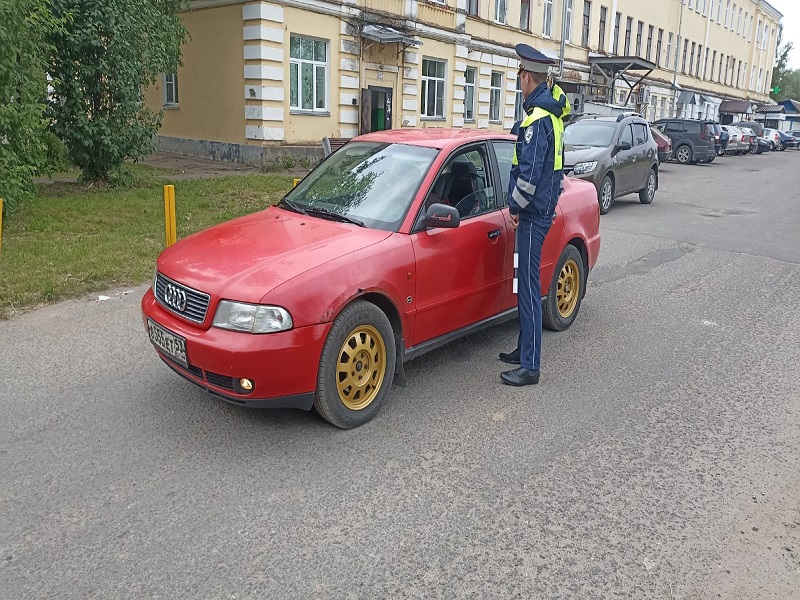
[{"x": 264, "y": 77}]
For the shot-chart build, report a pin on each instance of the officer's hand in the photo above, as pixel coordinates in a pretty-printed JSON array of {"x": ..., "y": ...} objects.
[{"x": 514, "y": 222}]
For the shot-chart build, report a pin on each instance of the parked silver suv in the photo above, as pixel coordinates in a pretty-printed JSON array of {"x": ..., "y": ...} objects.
[{"x": 617, "y": 154}]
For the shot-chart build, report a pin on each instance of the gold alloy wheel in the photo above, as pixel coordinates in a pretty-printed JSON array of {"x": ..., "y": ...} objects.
[
  {"x": 361, "y": 367},
  {"x": 569, "y": 288}
]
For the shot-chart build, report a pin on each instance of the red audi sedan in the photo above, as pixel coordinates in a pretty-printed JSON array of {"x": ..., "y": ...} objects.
[{"x": 394, "y": 245}]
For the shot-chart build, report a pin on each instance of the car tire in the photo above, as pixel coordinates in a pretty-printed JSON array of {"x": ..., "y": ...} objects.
[
  {"x": 605, "y": 197},
  {"x": 647, "y": 194},
  {"x": 356, "y": 367},
  {"x": 566, "y": 291},
  {"x": 782, "y": 147},
  {"x": 711, "y": 160},
  {"x": 683, "y": 154}
]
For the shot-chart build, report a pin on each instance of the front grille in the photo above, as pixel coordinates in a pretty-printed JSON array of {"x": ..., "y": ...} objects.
[
  {"x": 226, "y": 383},
  {"x": 196, "y": 302}
]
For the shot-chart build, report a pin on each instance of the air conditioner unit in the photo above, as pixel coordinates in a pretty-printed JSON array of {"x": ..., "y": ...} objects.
[
  {"x": 576, "y": 102},
  {"x": 644, "y": 94}
]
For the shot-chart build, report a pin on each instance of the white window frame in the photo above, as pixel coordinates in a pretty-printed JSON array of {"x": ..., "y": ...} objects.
[
  {"x": 519, "y": 110},
  {"x": 496, "y": 97},
  {"x": 171, "y": 82},
  {"x": 547, "y": 19},
  {"x": 570, "y": 13},
  {"x": 467, "y": 85},
  {"x": 669, "y": 51},
  {"x": 501, "y": 12},
  {"x": 315, "y": 64},
  {"x": 719, "y": 12},
  {"x": 705, "y": 7},
  {"x": 426, "y": 81},
  {"x": 727, "y": 13}
]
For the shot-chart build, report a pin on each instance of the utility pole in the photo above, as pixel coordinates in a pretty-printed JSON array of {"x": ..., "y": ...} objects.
[{"x": 677, "y": 56}]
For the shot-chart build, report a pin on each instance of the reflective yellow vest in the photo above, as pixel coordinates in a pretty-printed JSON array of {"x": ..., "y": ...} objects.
[{"x": 558, "y": 128}]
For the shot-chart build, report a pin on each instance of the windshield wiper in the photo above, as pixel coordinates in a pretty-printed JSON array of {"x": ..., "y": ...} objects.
[
  {"x": 327, "y": 214},
  {"x": 284, "y": 203}
]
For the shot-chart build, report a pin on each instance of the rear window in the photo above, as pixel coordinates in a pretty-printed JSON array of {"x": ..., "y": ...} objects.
[
  {"x": 692, "y": 127},
  {"x": 674, "y": 127}
]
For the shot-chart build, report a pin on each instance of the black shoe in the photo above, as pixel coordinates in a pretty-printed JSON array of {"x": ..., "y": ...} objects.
[
  {"x": 520, "y": 377},
  {"x": 511, "y": 358}
]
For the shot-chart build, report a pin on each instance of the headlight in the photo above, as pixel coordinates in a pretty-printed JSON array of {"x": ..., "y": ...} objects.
[
  {"x": 251, "y": 318},
  {"x": 585, "y": 167}
]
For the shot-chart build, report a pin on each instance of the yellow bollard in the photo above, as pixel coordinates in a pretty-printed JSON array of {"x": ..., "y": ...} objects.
[
  {"x": 169, "y": 214},
  {"x": 1, "y": 223},
  {"x": 296, "y": 181}
]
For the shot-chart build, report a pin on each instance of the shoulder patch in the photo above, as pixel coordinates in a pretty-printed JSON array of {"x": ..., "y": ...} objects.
[{"x": 528, "y": 135}]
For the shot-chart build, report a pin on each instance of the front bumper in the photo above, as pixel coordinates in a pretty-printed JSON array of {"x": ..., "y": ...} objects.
[{"x": 282, "y": 365}]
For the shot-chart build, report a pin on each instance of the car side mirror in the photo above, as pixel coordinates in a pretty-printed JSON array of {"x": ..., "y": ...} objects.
[
  {"x": 624, "y": 146},
  {"x": 442, "y": 216}
]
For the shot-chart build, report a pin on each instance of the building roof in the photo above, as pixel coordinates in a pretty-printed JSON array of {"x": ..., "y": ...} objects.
[
  {"x": 736, "y": 106},
  {"x": 790, "y": 106},
  {"x": 769, "y": 108}
]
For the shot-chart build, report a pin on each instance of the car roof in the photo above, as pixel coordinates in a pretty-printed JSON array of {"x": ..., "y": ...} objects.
[{"x": 432, "y": 137}]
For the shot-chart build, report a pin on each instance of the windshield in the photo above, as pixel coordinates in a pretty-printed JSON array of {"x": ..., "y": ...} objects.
[
  {"x": 371, "y": 182},
  {"x": 590, "y": 133}
]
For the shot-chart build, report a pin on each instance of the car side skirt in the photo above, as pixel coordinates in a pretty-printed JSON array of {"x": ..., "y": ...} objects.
[{"x": 425, "y": 347}]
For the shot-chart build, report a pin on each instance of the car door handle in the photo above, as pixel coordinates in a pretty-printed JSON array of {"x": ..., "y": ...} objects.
[{"x": 494, "y": 233}]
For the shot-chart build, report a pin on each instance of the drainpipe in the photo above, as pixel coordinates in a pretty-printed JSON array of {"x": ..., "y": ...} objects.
[
  {"x": 560, "y": 73},
  {"x": 677, "y": 56}
]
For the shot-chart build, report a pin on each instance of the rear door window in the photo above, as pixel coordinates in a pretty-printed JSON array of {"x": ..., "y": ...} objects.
[
  {"x": 640, "y": 133},
  {"x": 674, "y": 127},
  {"x": 693, "y": 127}
]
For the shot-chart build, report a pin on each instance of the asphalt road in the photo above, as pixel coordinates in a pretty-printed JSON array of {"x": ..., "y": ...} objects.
[{"x": 658, "y": 458}]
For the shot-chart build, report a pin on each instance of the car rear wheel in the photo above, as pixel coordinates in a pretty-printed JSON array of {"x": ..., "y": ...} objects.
[
  {"x": 566, "y": 291},
  {"x": 683, "y": 155},
  {"x": 356, "y": 367},
  {"x": 782, "y": 147},
  {"x": 606, "y": 196},
  {"x": 649, "y": 192}
]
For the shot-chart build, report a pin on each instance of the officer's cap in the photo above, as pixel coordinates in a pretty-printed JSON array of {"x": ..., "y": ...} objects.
[{"x": 532, "y": 60}]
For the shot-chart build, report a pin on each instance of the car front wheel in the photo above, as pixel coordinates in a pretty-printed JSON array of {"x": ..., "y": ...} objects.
[
  {"x": 648, "y": 193},
  {"x": 566, "y": 291},
  {"x": 356, "y": 367},
  {"x": 606, "y": 195},
  {"x": 683, "y": 155}
]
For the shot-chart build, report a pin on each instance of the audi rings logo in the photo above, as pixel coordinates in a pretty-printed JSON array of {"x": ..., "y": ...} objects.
[{"x": 174, "y": 297}]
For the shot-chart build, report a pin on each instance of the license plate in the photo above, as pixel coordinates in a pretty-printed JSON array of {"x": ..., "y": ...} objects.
[{"x": 169, "y": 343}]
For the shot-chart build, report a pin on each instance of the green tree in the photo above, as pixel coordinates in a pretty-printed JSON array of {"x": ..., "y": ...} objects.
[
  {"x": 104, "y": 59},
  {"x": 781, "y": 72},
  {"x": 24, "y": 26}
]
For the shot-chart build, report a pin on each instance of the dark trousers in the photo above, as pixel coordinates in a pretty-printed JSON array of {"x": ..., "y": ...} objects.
[{"x": 530, "y": 238}]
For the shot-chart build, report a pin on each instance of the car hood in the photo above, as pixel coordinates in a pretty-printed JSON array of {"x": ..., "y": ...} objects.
[
  {"x": 578, "y": 154},
  {"x": 245, "y": 258}
]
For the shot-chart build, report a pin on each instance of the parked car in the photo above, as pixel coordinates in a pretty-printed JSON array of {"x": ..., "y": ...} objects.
[
  {"x": 787, "y": 140},
  {"x": 616, "y": 154},
  {"x": 774, "y": 138},
  {"x": 663, "y": 143},
  {"x": 758, "y": 145},
  {"x": 395, "y": 244},
  {"x": 721, "y": 137},
  {"x": 692, "y": 140},
  {"x": 736, "y": 144},
  {"x": 755, "y": 127}
]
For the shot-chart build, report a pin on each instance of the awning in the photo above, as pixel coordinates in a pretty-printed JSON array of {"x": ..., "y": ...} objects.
[
  {"x": 387, "y": 35},
  {"x": 735, "y": 107},
  {"x": 617, "y": 67},
  {"x": 687, "y": 97}
]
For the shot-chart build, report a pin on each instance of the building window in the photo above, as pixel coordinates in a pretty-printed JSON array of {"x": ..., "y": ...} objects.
[
  {"x": 713, "y": 64},
  {"x": 601, "y": 40},
  {"x": 525, "y": 15},
  {"x": 758, "y": 32},
  {"x": 472, "y": 8},
  {"x": 617, "y": 20},
  {"x": 308, "y": 74},
  {"x": 727, "y": 13},
  {"x": 685, "y": 53},
  {"x": 705, "y": 7},
  {"x": 719, "y": 72},
  {"x": 697, "y": 64},
  {"x": 744, "y": 76},
  {"x": 650, "y": 30},
  {"x": 432, "y": 100},
  {"x": 519, "y": 111},
  {"x": 669, "y": 51},
  {"x": 628, "y": 27},
  {"x": 639, "y": 31},
  {"x": 739, "y": 23},
  {"x": 760, "y": 80},
  {"x": 495, "y": 96},
  {"x": 705, "y": 65},
  {"x": 739, "y": 75},
  {"x": 752, "y": 77},
  {"x": 171, "y": 89},
  {"x": 691, "y": 59},
  {"x": 711, "y": 10},
  {"x": 469, "y": 94},
  {"x": 659, "y": 40},
  {"x": 587, "y": 19},
  {"x": 547, "y": 18},
  {"x": 568, "y": 21},
  {"x": 501, "y": 11}
]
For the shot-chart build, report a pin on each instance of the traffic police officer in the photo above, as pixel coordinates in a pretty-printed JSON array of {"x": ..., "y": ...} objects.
[{"x": 536, "y": 183}]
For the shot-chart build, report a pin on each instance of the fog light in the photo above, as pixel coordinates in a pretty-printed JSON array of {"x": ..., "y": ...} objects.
[{"x": 246, "y": 384}]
